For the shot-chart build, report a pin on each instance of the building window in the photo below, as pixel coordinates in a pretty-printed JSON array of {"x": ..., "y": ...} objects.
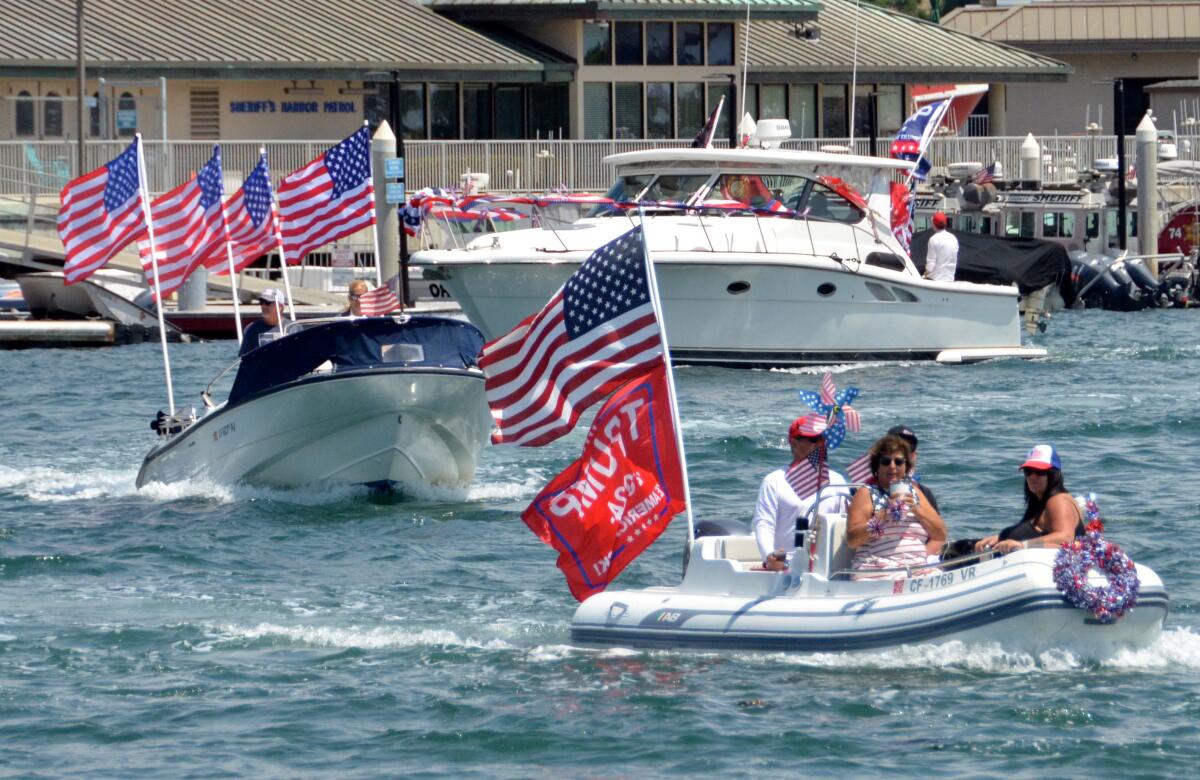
[
  {"x": 833, "y": 111},
  {"x": 597, "y": 111},
  {"x": 750, "y": 102},
  {"x": 510, "y": 113},
  {"x": 443, "y": 111},
  {"x": 689, "y": 108},
  {"x": 597, "y": 44},
  {"x": 802, "y": 110},
  {"x": 689, "y": 43},
  {"x": 658, "y": 44},
  {"x": 862, "y": 110},
  {"x": 629, "y": 43},
  {"x": 628, "y": 104},
  {"x": 715, "y": 93},
  {"x": 126, "y": 116},
  {"x": 772, "y": 101},
  {"x": 412, "y": 111},
  {"x": 24, "y": 115},
  {"x": 52, "y": 116},
  {"x": 890, "y": 105},
  {"x": 658, "y": 110},
  {"x": 548, "y": 111},
  {"x": 477, "y": 111},
  {"x": 720, "y": 44},
  {"x": 94, "y": 116}
]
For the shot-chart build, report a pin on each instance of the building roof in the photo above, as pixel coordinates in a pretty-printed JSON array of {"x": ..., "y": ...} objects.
[
  {"x": 731, "y": 10},
  {"x": 288, "y": 38},
  {"x": 891, "y": 47},
  {"x": 1119, "y": 25}
]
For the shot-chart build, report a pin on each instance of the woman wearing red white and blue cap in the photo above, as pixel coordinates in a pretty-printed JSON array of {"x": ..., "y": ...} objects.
[{"x": 1051, "y": 515}]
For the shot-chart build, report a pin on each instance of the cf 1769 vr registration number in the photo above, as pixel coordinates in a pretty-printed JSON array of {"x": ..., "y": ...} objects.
[{"x": 942, "y": 580}]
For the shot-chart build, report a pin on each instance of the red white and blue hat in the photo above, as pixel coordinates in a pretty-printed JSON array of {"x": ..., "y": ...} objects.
[
  {"x": 809, "y": 426},
  {"x": 1043, "y": 457}
]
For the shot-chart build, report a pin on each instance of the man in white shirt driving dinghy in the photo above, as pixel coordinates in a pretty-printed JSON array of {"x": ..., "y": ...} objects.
[{"x": 779, "y": 506}]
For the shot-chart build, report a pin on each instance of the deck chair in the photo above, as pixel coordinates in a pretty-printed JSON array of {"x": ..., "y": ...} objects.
[{"x": 54, "y": 174}]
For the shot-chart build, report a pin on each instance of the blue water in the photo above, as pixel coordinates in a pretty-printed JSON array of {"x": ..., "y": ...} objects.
[{"x": 207, "y": 631}]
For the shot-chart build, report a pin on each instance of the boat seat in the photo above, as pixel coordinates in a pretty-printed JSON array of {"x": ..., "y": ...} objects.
[
  {"x": 833, "y": 552},
  {"x": 743, "y": 549}
]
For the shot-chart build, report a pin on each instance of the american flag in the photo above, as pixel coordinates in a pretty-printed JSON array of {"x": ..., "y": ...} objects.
[
  {"x": 101, "y": 213},
  {"x": 598, "y": 331},
  {"x": 807, "y": 475},
  {"x": 187, "y": 227},
  {"x": 381, "y": 300},
  {"x": 984, "y": 175},
  {"x": 859, "y": 470},
  {"x": 914, "y": 136},
  {"x": 902, "y": 214},
  {"x": 704, "y": 138},
  {"x": 251, "y": 221},
  {"x": 327, "y": 199}
]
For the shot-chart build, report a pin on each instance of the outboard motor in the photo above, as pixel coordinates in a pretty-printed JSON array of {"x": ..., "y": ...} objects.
[
  {"x": 1083, "y": 275},
  {"x": 1140, "y": 275},
  {"x": 1125, "y": 294},
  {"x": 1178, "y": 285},
  {"x": 165, "y": 425}
]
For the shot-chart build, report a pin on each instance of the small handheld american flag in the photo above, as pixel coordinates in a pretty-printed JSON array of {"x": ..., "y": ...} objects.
[{"x": 381, "y": 300}]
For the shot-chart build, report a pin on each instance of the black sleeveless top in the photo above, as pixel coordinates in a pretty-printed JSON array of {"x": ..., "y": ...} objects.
[{"x": 1024, "y": 530}]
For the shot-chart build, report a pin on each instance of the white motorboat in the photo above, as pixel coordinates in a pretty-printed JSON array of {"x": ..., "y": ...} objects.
[
  {"x": 393, "y": 402},
  {"x": 764, "y": 258},
  {"x": 726, "y": 601}
]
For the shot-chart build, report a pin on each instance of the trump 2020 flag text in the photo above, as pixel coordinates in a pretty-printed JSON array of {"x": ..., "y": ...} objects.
[
  {"x": 101, "y": 213},
  {"x": 916, "y": 133},
  {"x": 598, "y": 331},
  {"x": 608, "y": 506}
]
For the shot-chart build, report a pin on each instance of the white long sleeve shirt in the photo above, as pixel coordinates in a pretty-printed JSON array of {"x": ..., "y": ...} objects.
[
  {"x": 779, "y": 507},
  {"x": 941, "y": 258}
]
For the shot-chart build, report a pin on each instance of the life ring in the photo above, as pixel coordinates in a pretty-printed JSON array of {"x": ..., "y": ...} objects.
[{"x": 1078, "y": 556}]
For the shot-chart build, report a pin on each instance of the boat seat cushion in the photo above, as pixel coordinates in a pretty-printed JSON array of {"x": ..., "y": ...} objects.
[
  {"x": 833, "y": 552},
  {"x": 741, "y": 548}
]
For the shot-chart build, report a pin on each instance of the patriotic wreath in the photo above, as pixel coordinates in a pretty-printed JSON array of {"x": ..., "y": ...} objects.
[{"x": 1078, "y": 556}]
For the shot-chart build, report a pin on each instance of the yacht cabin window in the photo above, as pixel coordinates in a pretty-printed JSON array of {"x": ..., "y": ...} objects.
[
  {"x": 1057, "y": 224},
  {"x": 1019, "y": 223}
]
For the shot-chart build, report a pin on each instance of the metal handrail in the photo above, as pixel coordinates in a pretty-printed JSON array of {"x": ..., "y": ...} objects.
[{"x": 206, "y": 393}]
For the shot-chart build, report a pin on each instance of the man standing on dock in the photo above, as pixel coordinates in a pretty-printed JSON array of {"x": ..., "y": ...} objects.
[
  {"x": 271, "y": 301},
  {"x": 941, "y": 259}
]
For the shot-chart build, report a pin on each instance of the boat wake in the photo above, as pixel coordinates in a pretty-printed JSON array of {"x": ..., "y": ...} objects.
[{"x": 344, "y": 637}]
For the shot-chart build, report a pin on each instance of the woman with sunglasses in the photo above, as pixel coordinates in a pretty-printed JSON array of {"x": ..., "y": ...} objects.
[
  {"x": 892, "y": 524},
  {"x": 1051, "y": 515}
]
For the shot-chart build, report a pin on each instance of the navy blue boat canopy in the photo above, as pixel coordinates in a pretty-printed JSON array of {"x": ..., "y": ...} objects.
[{"x": 353, "y": 344}]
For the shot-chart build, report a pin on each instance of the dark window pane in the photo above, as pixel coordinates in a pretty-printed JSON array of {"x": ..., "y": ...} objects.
[
  {"x": 94, "y": 116},
  {"x": 375, "y": 106},
  {"x": 720, "y": 44},
  {"x": 689, "y": 37},
  {"x": 628, "y": 103},
  {"x": 802, "y": 110},
  {"x": 862, "y": 111},
  {"x": 658, "y": 44},
  {"x": 833, "y": 111},
  {"x": 715, "y": 93},
  {"x": 443, "y": 111},
  {"x": 890, "y": 104},
  {"x": 772, "y": 101},
  {"x": 629, "y": 43},
  {"x": 658, "y": 110},
  {"x": 548, "y": 110},
  {"x": 597, "y": 45},
  {"x": 689, "y": 106},
  {"x": 126, "y": 116},
  {"x": 510, "y": 113},
  {"x": 597, "y": 111},
  {"x": 412, "y": 110},
  {"x": 52, "y": 116},
  {"x": 477, "y": 111},
  {"x": 24, "y": 118}
]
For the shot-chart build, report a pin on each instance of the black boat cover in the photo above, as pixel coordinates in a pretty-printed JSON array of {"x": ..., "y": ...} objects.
[
  {"x": 1029, "y": 262},
  {"x": 354, "y": 344}
]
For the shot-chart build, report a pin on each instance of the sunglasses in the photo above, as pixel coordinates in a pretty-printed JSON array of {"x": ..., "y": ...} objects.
[
  {"x": 901, "y": 461},
  {"x": 355, "y": 296}
]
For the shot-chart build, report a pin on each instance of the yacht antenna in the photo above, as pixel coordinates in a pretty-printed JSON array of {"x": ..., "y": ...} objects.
[{"x": 745, "y": 64}]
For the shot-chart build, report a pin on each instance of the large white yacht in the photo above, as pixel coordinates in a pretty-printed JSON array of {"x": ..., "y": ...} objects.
[{"x": 764, "y": 257}]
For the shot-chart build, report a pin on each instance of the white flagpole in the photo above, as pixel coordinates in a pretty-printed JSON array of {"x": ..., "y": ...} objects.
[
  {"x": 652, "y": 279},
  {"x": 854, "y": 76},
  {"x": 375, "y": 226},
  {"x": 237, "y": 310},
  {"x": 162, "y": 324},
  {"x": 745, "y": 64},
  {"x": 287, "y": 286}
]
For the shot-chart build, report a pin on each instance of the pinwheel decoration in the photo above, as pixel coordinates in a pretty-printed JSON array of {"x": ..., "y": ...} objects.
[{"x": 835, "y": 405}]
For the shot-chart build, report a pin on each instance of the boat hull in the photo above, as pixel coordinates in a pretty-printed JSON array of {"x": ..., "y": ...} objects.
[
  {"x": 742, "y": 312},
  {"x": 1009, "y": 601},
  {"x": 404, "y": 427}
]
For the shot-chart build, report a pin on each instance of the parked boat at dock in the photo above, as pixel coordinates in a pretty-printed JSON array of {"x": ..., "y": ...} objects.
[{"x": 388, "y": 402}]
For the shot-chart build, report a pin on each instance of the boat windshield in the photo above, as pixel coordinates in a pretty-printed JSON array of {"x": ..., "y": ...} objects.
[{"x": 757, "y": 191}]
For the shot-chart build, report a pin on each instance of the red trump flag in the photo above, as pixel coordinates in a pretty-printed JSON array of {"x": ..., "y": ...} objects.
[{"x": 620, "y": 495}]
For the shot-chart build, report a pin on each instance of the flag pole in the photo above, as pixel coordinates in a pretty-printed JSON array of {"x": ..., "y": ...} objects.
[
  {"x": 162, "y": 324},
  {"x": 237, "y": 310},
  {"x": 375, "y": 225},
  {"x": 287, "y": 286},
  {"x": 652, "y": 279}
]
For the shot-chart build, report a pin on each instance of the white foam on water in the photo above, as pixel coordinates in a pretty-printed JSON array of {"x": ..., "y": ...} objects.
[
  {"x": 40, "y": 483},
  {"x": 377, "y": 638},
  {"x": 842, "y": 368},
  {"x": 957, "y": 655},
  {"x": 1176, "y": 649},
  {"x": 511, "y": 489}
]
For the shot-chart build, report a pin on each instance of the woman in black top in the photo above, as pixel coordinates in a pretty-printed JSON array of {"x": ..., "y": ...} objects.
[{"x": 1051, "y": 515}]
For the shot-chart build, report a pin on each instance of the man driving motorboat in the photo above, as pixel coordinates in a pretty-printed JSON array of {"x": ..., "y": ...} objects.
[
  {"x": 779, "y": 506},
  {"x": 271, "y": 302}
]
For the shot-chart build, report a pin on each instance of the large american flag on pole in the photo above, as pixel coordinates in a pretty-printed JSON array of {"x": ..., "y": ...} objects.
[
  {"x": 187, "y": 227},
  {"x": 251, "y": 221},
  {"x": 328, "y": 199},
  {"x": 101, "y": 213},
  {"x": 598, "y": 331}
]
